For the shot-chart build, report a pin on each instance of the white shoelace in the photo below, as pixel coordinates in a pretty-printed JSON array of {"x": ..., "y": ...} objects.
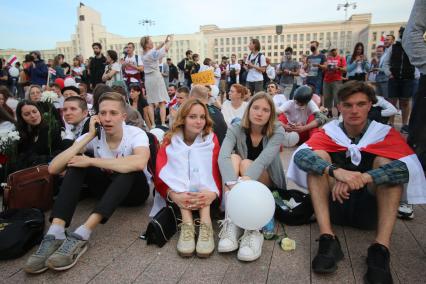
[{"x": 225, "y": 232}]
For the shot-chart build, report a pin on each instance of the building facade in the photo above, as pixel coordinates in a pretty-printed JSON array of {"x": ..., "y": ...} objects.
[{"x": 214, "y": 42}]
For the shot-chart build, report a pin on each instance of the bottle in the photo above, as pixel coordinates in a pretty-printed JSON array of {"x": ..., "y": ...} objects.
[{"x": 194, "y": 180}]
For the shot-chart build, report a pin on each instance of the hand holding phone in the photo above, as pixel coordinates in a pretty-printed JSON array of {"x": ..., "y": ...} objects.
[{"x": 98, "y": 130}]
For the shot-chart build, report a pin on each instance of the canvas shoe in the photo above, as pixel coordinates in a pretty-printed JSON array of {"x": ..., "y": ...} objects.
[
  {"x": 228, "y": 236},
  {"x": 67, "y": 255},
  {"x": 36, "y": 263},
  {"x": 251, "y": 245},
  {"x": 205, "y": 242},
  {"x": 186, "y": 242}
]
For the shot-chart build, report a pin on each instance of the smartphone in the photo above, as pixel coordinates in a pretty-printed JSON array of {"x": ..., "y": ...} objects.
[{"x": 98, "y": 130}]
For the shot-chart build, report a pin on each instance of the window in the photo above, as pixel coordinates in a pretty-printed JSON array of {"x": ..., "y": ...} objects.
[
  {"x": 281, "y": 38},
  {"x": 275, "y": 53},
  {"x": 269, "y": 47},
  {"x": 221, "y": 41},
  {"x": 227, "y": 49},
  {"x": 288, "y": 38},
  {"x": 275, "y": 46},
  {"x": 227, "y": 41},
  {"x": 215, "y": 41},
  {"x": 239, "y": 48},
  {"x": 295, "y": 37},
  {"x": 269, "y": 39},
  {"x": 81, "y": 18},
  {"x": 391, "y": 32},
  {"x": 245, "y": 40},
  {"x": 233, "y": 49},
  {"x": 269, "y": 53},
  {"x": 221, "y": 50},
  {"x": 233, "y": 41},
  {"x": 315, "y": 36},
  {"x": 301, "y": 37},
  {"x": 294, "y": 46},
  {"x": 263, "y": 39},
  {"x": 335, "y": 35},
  {"x": 239, "y": 40},
  {"x": 275, "y": 38},
  {"x": 300, "y": 52},
  {"x": 294, "y": 53},
  {"x": 301, "y": 45},
  {"x": 282, "y": 46},
  {"x": 328, "y": 35}
]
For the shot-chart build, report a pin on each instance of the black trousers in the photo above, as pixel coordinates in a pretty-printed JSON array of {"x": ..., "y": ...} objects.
[
  {"x": 112, "y": 190},
  {"x": 360, "y": 210},
  {"x": 417, "y": 124}
]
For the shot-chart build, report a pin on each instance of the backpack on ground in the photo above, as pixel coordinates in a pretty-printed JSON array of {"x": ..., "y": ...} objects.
[{"x": 20, "y": 230}]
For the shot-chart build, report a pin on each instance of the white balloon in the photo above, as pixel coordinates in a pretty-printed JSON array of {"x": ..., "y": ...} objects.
[
  {"x": 250, "y": 205},
  {"x": 13, "y": 71},
  {"x": 291, "y": 139},
  {"x": 159, "y": 134},
  {"x": 69, "y": 81}
]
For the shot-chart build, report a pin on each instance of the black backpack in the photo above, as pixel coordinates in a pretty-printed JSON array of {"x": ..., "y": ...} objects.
[
  {"x": 20, "y": 230},
  {"x": 299, "y": 215}
]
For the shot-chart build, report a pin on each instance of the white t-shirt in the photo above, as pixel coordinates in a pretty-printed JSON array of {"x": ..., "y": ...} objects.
[
  {"x": 117, "y": 76},
  {"x": 230, "y": 113},
  {"x": 279, "y": 100},
  {"x": 297, "y": 115},
  {"x": 132, "y": 137},
  {"x": 253, "y": 75},
  {"x": 131, "y": 70},
  {"x": 235, "y": 66}
]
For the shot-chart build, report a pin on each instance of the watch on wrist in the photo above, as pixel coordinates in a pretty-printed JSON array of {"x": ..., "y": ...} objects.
[{"x": 331, "y": 170}]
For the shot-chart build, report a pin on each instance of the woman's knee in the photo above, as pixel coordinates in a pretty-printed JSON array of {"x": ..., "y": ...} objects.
[{"x": 244, "y": 165}]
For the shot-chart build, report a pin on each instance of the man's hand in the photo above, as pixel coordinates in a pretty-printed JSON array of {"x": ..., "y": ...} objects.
[
  {"x": 353, "y": 179},
  {"x": 287, "y": 127},
  {"x": 298, "y": 128},
  {"x": 92, "y": 128},
  {"x": 80, "y": 161},
  {"x": 340, "y": 191}
]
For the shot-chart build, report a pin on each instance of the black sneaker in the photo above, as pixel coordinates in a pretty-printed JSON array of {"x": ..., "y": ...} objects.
[
  {"x": 378, "y": 265},
  {"x": 329, "y": 253}
]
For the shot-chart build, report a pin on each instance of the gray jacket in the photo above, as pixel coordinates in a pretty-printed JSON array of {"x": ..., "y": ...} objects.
[
  {"x": 268, "y": 159},
  {"x": 414, "y": 39}
]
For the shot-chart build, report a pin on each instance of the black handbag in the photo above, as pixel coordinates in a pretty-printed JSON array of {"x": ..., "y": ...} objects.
[{"x": 162, "y": 227}]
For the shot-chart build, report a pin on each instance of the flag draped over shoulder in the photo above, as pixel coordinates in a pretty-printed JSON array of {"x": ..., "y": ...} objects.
[{"x": 379, "y": 139}]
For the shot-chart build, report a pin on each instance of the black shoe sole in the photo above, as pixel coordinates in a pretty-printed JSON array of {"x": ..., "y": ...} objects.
[
  {"x": 331, "y": 269},
  {"x": 368, "y": 282}
]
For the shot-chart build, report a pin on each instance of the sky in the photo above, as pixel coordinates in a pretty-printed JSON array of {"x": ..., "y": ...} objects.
[{"x": 29, "y": 25}]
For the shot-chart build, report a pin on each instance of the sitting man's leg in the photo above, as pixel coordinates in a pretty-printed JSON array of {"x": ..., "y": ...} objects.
[
  {"x": 62, "y": 213},
  {"x": 388, "y": 197},
  {"x": 329, "y": 251}
]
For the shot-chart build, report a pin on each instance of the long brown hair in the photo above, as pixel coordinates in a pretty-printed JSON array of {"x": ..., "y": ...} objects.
[
  {"x": 144, "y": 41},
  {"x": 179, "y": 123},
  {"x": 268, "y": 128}
]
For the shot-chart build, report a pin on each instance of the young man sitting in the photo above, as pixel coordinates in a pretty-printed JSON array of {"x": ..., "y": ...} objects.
[
  {"x": 76, "y": 119},
  {"x": 115, "y": 175},
  {"x": 301, "y": 114},
  {"x": 363, "y": 165},
  {"x": 279, "y": 99}
]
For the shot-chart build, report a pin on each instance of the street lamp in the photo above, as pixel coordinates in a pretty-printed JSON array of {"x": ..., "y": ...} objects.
[
  {"x": 147, "y": 23},
  {"x": 345, "y": 7}
]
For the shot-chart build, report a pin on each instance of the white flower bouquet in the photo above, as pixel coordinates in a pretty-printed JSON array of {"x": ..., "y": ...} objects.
[
  {"x": 49, "y": 97},
  {"x": 8, "y": 148}
]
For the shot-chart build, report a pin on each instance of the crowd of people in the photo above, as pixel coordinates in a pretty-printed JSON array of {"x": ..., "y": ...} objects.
[{"x": 351, "y": 159}]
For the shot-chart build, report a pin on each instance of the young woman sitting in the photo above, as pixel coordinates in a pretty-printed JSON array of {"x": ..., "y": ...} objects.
[
  {"x": 250, "y": 151},
  {"x": 188, "y": 174}
]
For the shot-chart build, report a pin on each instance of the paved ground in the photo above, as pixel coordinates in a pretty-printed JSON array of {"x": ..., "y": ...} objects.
[{"x": 117, "y": 255}]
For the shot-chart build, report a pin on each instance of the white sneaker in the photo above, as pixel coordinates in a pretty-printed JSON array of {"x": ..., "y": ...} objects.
[
  {"x": 405, "y": 211},
  {"x": 251, "y": 246},
  {"x": 228, "y": 236}
]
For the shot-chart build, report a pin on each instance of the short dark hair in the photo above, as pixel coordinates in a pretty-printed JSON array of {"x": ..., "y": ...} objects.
[
  {"x": 353, "y": 87},
  {"x": 315, "y": 42},
  {"x": 289, "y": 49},
  {"x": 113, "y": 54},
  {"x": 195, "y": 55},
  {"x": 119, "y": 89},
  {"x": 183, "y": 89},
  {"x": 169, "y": 59},
  {"x": 207, "y": 61},
  {"x": 392, "y": 36},
  {"x": 173, "y": 86},
  {"x": 136, "y": 87},
  {"x": 132, "y": 44},
  {"x": 97, "y": 44},
  {"x": 188, "y": 52},
  {"x": 256, "y": 43},
  {"x": 81, "y": 102},
  {"x": 99, "y": 90}
]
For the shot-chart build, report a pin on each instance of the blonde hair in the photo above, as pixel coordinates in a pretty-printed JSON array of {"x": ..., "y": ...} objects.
[
  {"x": 179, "y": 123},
  {"x": 113, "y": 96},
  {"x": 199, "y": 92},
  {"x": 144, "y": 41},
  {"x": 268, "y": 128}
]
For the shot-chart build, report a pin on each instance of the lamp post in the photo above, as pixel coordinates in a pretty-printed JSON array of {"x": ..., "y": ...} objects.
[
  {"x": 345, "y": 6},
  {"x": 147, "y": 23}
]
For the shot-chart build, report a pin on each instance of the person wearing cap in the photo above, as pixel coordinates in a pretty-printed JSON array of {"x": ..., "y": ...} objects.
[
  {"x": 301, "y": 114},
  {"x": 38, "y": 69},
  {"x": 334, "y": 67}
]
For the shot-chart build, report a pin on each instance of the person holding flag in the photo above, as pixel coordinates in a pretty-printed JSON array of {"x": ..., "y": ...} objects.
[{"x": 364, "y": 166}]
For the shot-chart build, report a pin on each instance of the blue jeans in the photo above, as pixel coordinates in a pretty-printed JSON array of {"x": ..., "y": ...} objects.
[{"x": 316, "y": 82}]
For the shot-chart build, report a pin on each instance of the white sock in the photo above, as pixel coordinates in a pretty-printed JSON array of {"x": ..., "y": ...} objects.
[
  {"x": 57, "y": 230},
  {"x": 83, "y": 232}
]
